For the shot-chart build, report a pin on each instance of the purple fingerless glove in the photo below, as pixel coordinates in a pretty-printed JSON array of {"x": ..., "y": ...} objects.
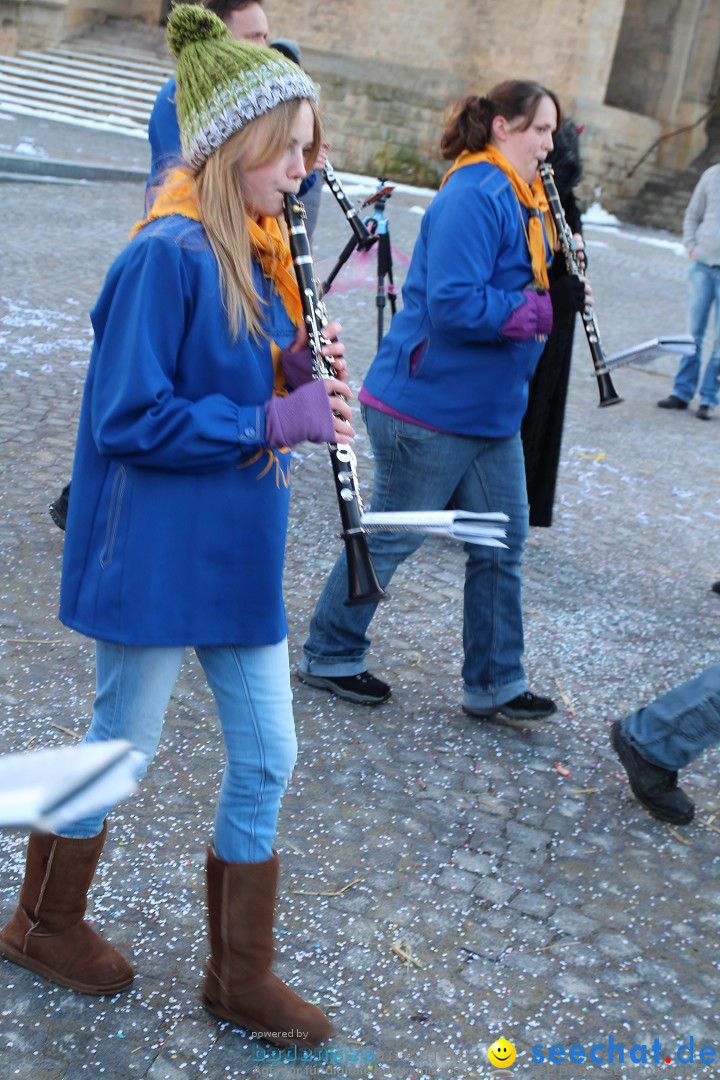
[
  {"x": 297, "y": 366},
  {"x": 533, "y": 317},
  {"x": 304, "y": 414}
]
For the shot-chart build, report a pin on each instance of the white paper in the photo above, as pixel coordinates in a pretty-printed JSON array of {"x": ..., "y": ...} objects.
[
  {"x": 464, "y": 525},
  {"x": 47, "y": 789},
  {"x": 647, "y": 351}
]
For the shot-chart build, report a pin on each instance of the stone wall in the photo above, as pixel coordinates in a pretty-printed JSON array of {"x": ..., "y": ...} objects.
[
  {"x": 381, "y": 117},
  {"x": 32, "y": 25},
  {"x": 389, "y": 71},
  {"x": 641, "y": 75},
  {"x": 36, "y": 24}
]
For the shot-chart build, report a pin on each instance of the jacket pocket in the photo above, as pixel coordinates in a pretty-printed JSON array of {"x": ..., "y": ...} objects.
[
  {"x": 417, "y": 357},
  {"x": 113, "y": 517}
]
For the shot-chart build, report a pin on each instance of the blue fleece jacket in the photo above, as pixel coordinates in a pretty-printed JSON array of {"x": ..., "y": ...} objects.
[
  {"x": 178, "y": 517},
  {"x": 444, "y": 361}
]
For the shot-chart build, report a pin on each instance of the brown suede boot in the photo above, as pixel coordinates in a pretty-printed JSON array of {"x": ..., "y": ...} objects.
[
  {"x": 47, "y": 933},
  {"x": 239, "y": 985}
]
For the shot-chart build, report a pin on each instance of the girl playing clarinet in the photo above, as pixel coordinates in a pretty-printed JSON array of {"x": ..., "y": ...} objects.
[
  {"x": 446, "y": 393},
  {"x": 177, "y": 525}
]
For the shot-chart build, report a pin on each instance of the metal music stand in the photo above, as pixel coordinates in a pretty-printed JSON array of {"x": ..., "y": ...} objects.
[{"x": 378, "y": 228}]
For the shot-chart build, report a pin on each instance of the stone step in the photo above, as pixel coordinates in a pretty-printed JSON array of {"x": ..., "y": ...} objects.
[{"x": 84, "y": 85}]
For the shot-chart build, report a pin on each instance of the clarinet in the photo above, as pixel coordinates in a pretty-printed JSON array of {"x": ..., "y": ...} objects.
[
  {"x": 363, "y": 585},
  {"x": 608, "y": 394},
  {"x": 365, "y": 239}
]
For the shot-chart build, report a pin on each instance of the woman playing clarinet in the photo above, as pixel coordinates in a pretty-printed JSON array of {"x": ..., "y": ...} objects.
[
  {"x": 444, "y": 398},
  {"x": 177, "y": 524}
]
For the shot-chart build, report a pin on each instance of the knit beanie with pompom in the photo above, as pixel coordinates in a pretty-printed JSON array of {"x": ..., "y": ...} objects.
[{"x": 224, "y": 84}]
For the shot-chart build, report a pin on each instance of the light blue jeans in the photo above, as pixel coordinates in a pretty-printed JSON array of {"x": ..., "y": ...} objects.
[
  {"x": 676, "y": 727},
  {"x": 252, "y": 693},
  {"x": 419, "y": 469},
  {"x": 704, "y": 293}
]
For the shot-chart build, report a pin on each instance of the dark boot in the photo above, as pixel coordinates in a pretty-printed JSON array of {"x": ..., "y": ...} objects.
[
  {"x": 239, "y": 985},
  {"x": 47, "y": 933},
  {"x": 59, "y": 508},
  {"x": 656, "y": 788}
]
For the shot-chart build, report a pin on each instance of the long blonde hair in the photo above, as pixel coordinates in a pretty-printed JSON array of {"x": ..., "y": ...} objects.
[{"x": 219, "y": 185}]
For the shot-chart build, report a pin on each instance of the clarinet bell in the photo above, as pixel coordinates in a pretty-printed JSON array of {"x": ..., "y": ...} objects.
[
  {"x": 608, "y": 393},
  {"x": 363, "y": 584}
]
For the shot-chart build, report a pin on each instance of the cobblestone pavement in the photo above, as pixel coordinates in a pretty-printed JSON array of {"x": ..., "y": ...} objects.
[{"x": 445, "y": 882}]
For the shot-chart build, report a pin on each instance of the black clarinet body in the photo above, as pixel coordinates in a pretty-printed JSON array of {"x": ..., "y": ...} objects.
[
  {"x": 608, "y": 393},
  {"x": 365, "y": 239},
  {"x": 363, "y": 585}
]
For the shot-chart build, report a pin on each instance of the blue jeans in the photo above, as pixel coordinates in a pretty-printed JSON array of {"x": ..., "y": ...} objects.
[
  {"x": 419, "y": 469},
  {"x": 252, "y": 693},
  {"x": 676, "y": 727},
  {"x": 704, "y": 293}
]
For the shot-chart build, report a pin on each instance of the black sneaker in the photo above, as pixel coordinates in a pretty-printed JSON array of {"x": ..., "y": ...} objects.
[
  {"x": 672, "y": 402},
  {"x": 364, "y": 688},
  {"x": 704, "y": 412},
  {"x": 715, "y": 586},
  {"x": 656, "y": 788},
  {"x": 59, "y": 508},
  {"x": 526, "y": 706}
]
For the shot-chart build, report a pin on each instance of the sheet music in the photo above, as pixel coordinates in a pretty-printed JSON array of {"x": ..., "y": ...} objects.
[
  {"x": 465, "y": 525},
  {"x": 47, "y": 789},
  {"x": 647, "y": 351}
]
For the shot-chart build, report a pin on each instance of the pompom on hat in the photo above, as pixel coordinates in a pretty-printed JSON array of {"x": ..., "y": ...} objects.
[{"x": 224, "y": 84}]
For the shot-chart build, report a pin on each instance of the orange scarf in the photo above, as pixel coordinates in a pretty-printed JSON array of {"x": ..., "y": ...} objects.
[
  {"x": 178, "y": 196},
  {"x": 532, "y": 197}
]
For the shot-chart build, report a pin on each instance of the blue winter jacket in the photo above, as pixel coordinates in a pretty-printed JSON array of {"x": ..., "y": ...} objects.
[
  {"x": 444, "y": 361},
  {"x": 178, "y": 516}
]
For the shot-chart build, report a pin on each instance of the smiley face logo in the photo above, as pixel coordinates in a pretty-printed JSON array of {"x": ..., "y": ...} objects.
[{"x": 501, "y": 1054}]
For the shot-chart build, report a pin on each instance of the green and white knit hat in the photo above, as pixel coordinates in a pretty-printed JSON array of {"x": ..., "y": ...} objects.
[{"x": 224, "y": 84}]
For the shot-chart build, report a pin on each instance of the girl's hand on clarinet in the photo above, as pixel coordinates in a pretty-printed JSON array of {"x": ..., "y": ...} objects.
[
  {"x": 579, "y": 251},
  {"x": 308, "y": 413},
  {"x": 297, "y": 361},
  {"x": 340, "y": 393},
  {"x": 340, "y": 367},
  {"x": 588, "y": 291},
  {"x": 331, "y": 332},
  {"x": 335, "y": 349},
  {"x": 301, "y": 341}
]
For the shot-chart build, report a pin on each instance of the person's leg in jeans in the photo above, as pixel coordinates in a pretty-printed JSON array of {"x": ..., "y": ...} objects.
[
  {"x": 254, "y": 702},
  {"x": 677, "y": 726},
  {"x": 134, "y": 685},
  {"x": 701, "y": 292},
  {"x": 711, "y": 378},
  {"x": 252, "y": 692},
  {"x": 415, "y": 469},
  {"x": 493, "y": 627},
  {"x": 664, "y": 736},
  {"x": 47, "y": 932}
]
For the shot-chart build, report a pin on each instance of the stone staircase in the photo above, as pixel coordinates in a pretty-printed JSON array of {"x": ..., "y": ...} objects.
[{"x": 85, "y": 83}]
